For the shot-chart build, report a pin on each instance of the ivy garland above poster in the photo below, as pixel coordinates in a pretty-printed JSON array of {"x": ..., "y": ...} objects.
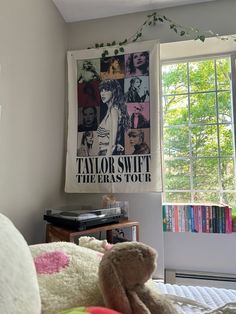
[{"x": 114, "y": 137}]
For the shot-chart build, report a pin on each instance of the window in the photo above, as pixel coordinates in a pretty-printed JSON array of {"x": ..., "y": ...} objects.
[{"x": 199, "y": 156}]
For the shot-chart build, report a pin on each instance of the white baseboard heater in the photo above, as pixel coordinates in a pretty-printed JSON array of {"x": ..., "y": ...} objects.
[{"x": 196, "y": 278}]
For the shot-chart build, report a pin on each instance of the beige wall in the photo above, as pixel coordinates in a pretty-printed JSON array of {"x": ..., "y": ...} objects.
[
  {"x": 218, "y": 16},
  {"x": 33, "y": 41}
]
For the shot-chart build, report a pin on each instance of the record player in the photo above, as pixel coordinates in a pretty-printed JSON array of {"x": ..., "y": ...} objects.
[{"x": 82, "y": 219}]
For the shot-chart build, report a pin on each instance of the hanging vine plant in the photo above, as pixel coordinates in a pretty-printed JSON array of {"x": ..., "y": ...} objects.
[{"x": 153, "y": 20}]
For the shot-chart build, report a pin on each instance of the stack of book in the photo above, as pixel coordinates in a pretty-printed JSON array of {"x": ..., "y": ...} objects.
[{"x": 197, "y": 218}]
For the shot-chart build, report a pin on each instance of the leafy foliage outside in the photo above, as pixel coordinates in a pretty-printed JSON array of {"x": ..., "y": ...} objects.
[{"x": 198, "y": 132}]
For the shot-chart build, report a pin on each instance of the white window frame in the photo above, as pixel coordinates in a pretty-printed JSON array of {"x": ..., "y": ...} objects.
[{"x": 192, "y": 51}]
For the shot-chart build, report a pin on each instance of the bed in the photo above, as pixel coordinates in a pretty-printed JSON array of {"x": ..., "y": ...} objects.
[
  {"x": 49, "y": 277},
  {"x": 196, "y": 299}
]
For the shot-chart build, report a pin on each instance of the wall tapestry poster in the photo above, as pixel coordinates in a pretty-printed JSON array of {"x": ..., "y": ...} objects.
[{"x": 114, "y": 121}]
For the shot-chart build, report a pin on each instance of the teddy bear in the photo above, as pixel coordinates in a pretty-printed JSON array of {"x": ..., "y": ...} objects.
[{"x": 124, "y": 272}]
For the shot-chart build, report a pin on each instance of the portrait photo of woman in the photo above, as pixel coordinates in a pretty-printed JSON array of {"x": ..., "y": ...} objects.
[
  {"x": 87, "y": 145},
  {"x": 137, "y": 89},
  {"x": 112, "y": 68},
  {"x": 88, "y": 94},
  {"x": 89, "y": 119},
  {"x": 88, "y": 70},
  {"x": 137, "y": 142},
  {"x": 139, "y": 115},
  {"x": 137, "y": 64},
  {"x": 115, "y": 122}
]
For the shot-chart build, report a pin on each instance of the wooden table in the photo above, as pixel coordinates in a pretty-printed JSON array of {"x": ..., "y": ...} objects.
[{"x": 54, "y": 233}]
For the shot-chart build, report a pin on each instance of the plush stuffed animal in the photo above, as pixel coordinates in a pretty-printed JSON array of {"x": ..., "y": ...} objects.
[
  {"x": 95, "y": 244},
  {"x": 67, "y": 276},
  {"x": 89, "y": 310},
  {"x": 123, "y": 275}
]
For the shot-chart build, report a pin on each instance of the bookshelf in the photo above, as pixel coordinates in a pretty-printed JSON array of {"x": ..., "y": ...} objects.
[
  {"x": 199, "y": 249},
  {"x": 213, "y": 252}
]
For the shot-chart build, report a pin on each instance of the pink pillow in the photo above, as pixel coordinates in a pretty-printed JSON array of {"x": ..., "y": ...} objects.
[{"x": 90, "y": 310}]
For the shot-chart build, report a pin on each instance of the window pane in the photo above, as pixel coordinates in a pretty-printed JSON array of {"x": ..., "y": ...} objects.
[
  {"x": 174, "y": 79},
  {"x": 175, "y": 110},
  {"x": 204, "y": 141},
  {"x": 205, "y": 174},
  {"x": 223, "y": 74},
  {"x": 176, "y": 141},
  {"x": 177, "y": 197},
  {"x": 177, "y": 175},
  {"x": 202, "y": 76},
  {"x": 198, "y": 131},
  {"x": 203, "y": 108},
  {"x": 224, "y": 107},
  {"x": 227, "y": 173},
  {"x": 226, "y": 140},
  {"x": 229, "y": 199},
  {"x": 206, "y": 197}
]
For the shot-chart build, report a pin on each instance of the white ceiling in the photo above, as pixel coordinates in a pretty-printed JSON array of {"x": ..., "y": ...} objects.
[{"x": 79, "y": 10}]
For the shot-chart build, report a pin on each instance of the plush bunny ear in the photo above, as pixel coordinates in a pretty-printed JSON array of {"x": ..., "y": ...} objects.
[
  {"x": 138, "y": 307},
  {"x": 114, "y": 294},
  {"x": 155, "y": 302}
]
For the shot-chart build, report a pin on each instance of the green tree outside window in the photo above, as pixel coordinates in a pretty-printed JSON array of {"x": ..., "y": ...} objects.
[{"x": 199, "y": 156}]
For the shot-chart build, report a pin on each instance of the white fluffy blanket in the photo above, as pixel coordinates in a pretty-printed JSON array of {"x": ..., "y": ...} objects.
[
  {"x": 67, "y": 276},
  {"x": 19, "y": 292}
]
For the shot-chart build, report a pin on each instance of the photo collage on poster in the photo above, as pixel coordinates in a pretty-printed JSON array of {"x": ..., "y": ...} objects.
[{"x": 113, "y": 105}]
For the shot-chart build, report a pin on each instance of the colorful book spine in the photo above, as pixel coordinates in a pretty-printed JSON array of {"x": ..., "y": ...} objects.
[
  {"x": 182, "y": 218},
  {"x": 195, "y": 214},
  {"x": 208, "y": 219},
  {"x": 214, "y": 224},
  {"x": 227, "y": 220},
  {"x": 197, "y": 218},
  {"x": 169, "y": 218},
  {"x": 176, "y": 218},
  {"x": 230, "y": 221},
  {"x": 185, "y": 209},
  {"x": 192, "y": 219},
  {"x": 217, "y": 220},
  {"x": 220, "y": 219},
  {"x": 189, "y": 207},
  {"x": 204, "y": 219},
  {"x": 164, "y": 217}
]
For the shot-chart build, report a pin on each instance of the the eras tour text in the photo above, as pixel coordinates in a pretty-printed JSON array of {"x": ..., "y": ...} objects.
[{"x": 122, "y": 169}]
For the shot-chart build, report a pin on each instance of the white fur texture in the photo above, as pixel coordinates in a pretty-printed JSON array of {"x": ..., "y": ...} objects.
[
  {"x": 19, "y": 292},
  {"x": 74, "y": 285},
  {"x": 94, "y": 244}
]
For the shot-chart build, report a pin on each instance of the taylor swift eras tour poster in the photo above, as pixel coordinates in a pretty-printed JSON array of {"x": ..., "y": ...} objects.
[{"x": 114, "y": 137}]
